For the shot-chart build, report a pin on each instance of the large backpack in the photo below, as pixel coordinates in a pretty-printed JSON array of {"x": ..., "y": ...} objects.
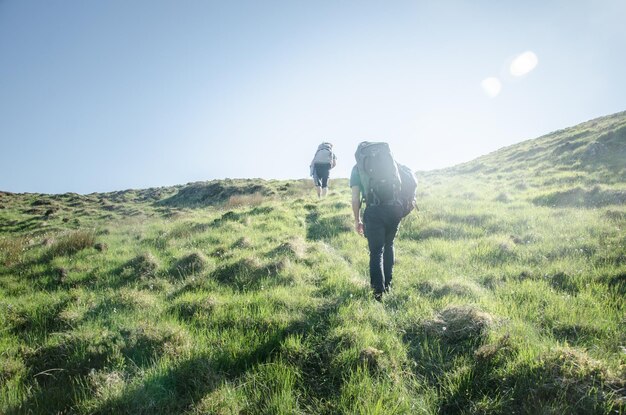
[
  {"x": 379, "y": 172},
  {"x": 324, "y": 154},
  {"x": 408, "y": 189},
  {"x": 383, "y": 179}
]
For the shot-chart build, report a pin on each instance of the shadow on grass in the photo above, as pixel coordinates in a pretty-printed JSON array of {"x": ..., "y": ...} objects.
[
  {"x": 323, "y": 227},
  {"x": 61, "y": 374},
  {"x": 471, "y": 374},
  {"x": 437, "y": 346},
  {"x": 25, "y": 225},
  {"x": 36, "y": 320},
  {"x": 577, "y": 334},
  {"x": 618, "y": 283},
  {"x": 176, "y": 389}
]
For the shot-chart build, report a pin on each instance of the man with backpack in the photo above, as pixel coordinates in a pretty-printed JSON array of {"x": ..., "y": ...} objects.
[
  {"x": 388, "y": 189},
  {"x": 323, "y": 161}
]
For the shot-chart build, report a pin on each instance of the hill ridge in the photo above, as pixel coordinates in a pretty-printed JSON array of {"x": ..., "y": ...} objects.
[{"x": 597, "y": 143}]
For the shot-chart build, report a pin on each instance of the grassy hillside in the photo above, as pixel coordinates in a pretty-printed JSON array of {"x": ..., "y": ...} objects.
[
  {"x": 251, "y": 296},
  {"x": 581, "y": 166}
]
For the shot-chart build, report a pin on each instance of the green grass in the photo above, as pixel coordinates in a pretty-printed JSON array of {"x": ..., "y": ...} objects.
[{"x": 252, "y": 296}]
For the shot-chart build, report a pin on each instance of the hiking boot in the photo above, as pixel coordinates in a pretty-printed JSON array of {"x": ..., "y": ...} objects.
[
  {"x": 388, "y": 288},
  {"x": 378, "y": 297}
]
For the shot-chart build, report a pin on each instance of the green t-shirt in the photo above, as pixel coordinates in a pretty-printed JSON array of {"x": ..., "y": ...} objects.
[{"x": 355, "y": 179}]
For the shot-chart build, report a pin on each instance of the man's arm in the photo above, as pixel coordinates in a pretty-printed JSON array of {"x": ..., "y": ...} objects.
[{"x": 356, "y": 209}]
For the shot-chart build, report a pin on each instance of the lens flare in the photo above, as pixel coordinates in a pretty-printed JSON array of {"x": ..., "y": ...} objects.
[
  {"x": 492, "y": 86},
  {"x": 523, "y": 63}
]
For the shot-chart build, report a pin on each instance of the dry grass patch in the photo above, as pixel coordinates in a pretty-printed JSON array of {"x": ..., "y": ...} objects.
[
  {"x": 370, "y": 357},
  {"x": 105, "y": 384},
  {"x": 459, "y": 323},
  {"x": 254, "y": 199}
]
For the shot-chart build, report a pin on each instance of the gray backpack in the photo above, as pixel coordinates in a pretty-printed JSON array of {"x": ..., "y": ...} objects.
[{"x": 324, "y": 154}]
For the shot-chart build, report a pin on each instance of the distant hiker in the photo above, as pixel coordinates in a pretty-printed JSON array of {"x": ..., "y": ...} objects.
[
  {"x": 388, "y": 189},
  {"x": 323, "y": 161}
]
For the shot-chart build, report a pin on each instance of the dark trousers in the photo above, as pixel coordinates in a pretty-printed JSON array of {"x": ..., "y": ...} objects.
[
  {"x": 321, "y": 174},
  {"x": 381, "y": 224}
]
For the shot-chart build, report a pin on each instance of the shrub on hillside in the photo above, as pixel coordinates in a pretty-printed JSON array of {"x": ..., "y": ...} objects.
[
  {"x": 72, "y": 243},
  {"x": 193, "y": 263}
]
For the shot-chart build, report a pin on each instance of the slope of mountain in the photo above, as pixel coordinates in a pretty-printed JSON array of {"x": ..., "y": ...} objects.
[
  {"x": 581, "y": 166},
  {"x": 596, "y": 148},
  {"x": 251, "y": 296}
]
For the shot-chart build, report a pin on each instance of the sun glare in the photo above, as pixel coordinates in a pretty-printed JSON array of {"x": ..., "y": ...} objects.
[
  {"x": 523, "y": 63},
  {"x": 491, "y": 86}
]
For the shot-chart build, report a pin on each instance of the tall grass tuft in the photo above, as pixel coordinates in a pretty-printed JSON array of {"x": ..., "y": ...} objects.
[
  {"x": 144, "y": 265},
  {"x": 254, "y": 199},
  {"x": 12, "y": 249},
  {"x": 72, "y": 242},
  {"x": 192, "y": 263}
]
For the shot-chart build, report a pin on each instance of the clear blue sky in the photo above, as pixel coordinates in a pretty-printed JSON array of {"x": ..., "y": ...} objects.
[{"x": 109, "y": 95}]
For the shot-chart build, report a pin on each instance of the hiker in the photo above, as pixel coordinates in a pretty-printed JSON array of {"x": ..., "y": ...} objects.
[
  {"x": 388, "y": 189},
  {"x": 323, "y": 161}
]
